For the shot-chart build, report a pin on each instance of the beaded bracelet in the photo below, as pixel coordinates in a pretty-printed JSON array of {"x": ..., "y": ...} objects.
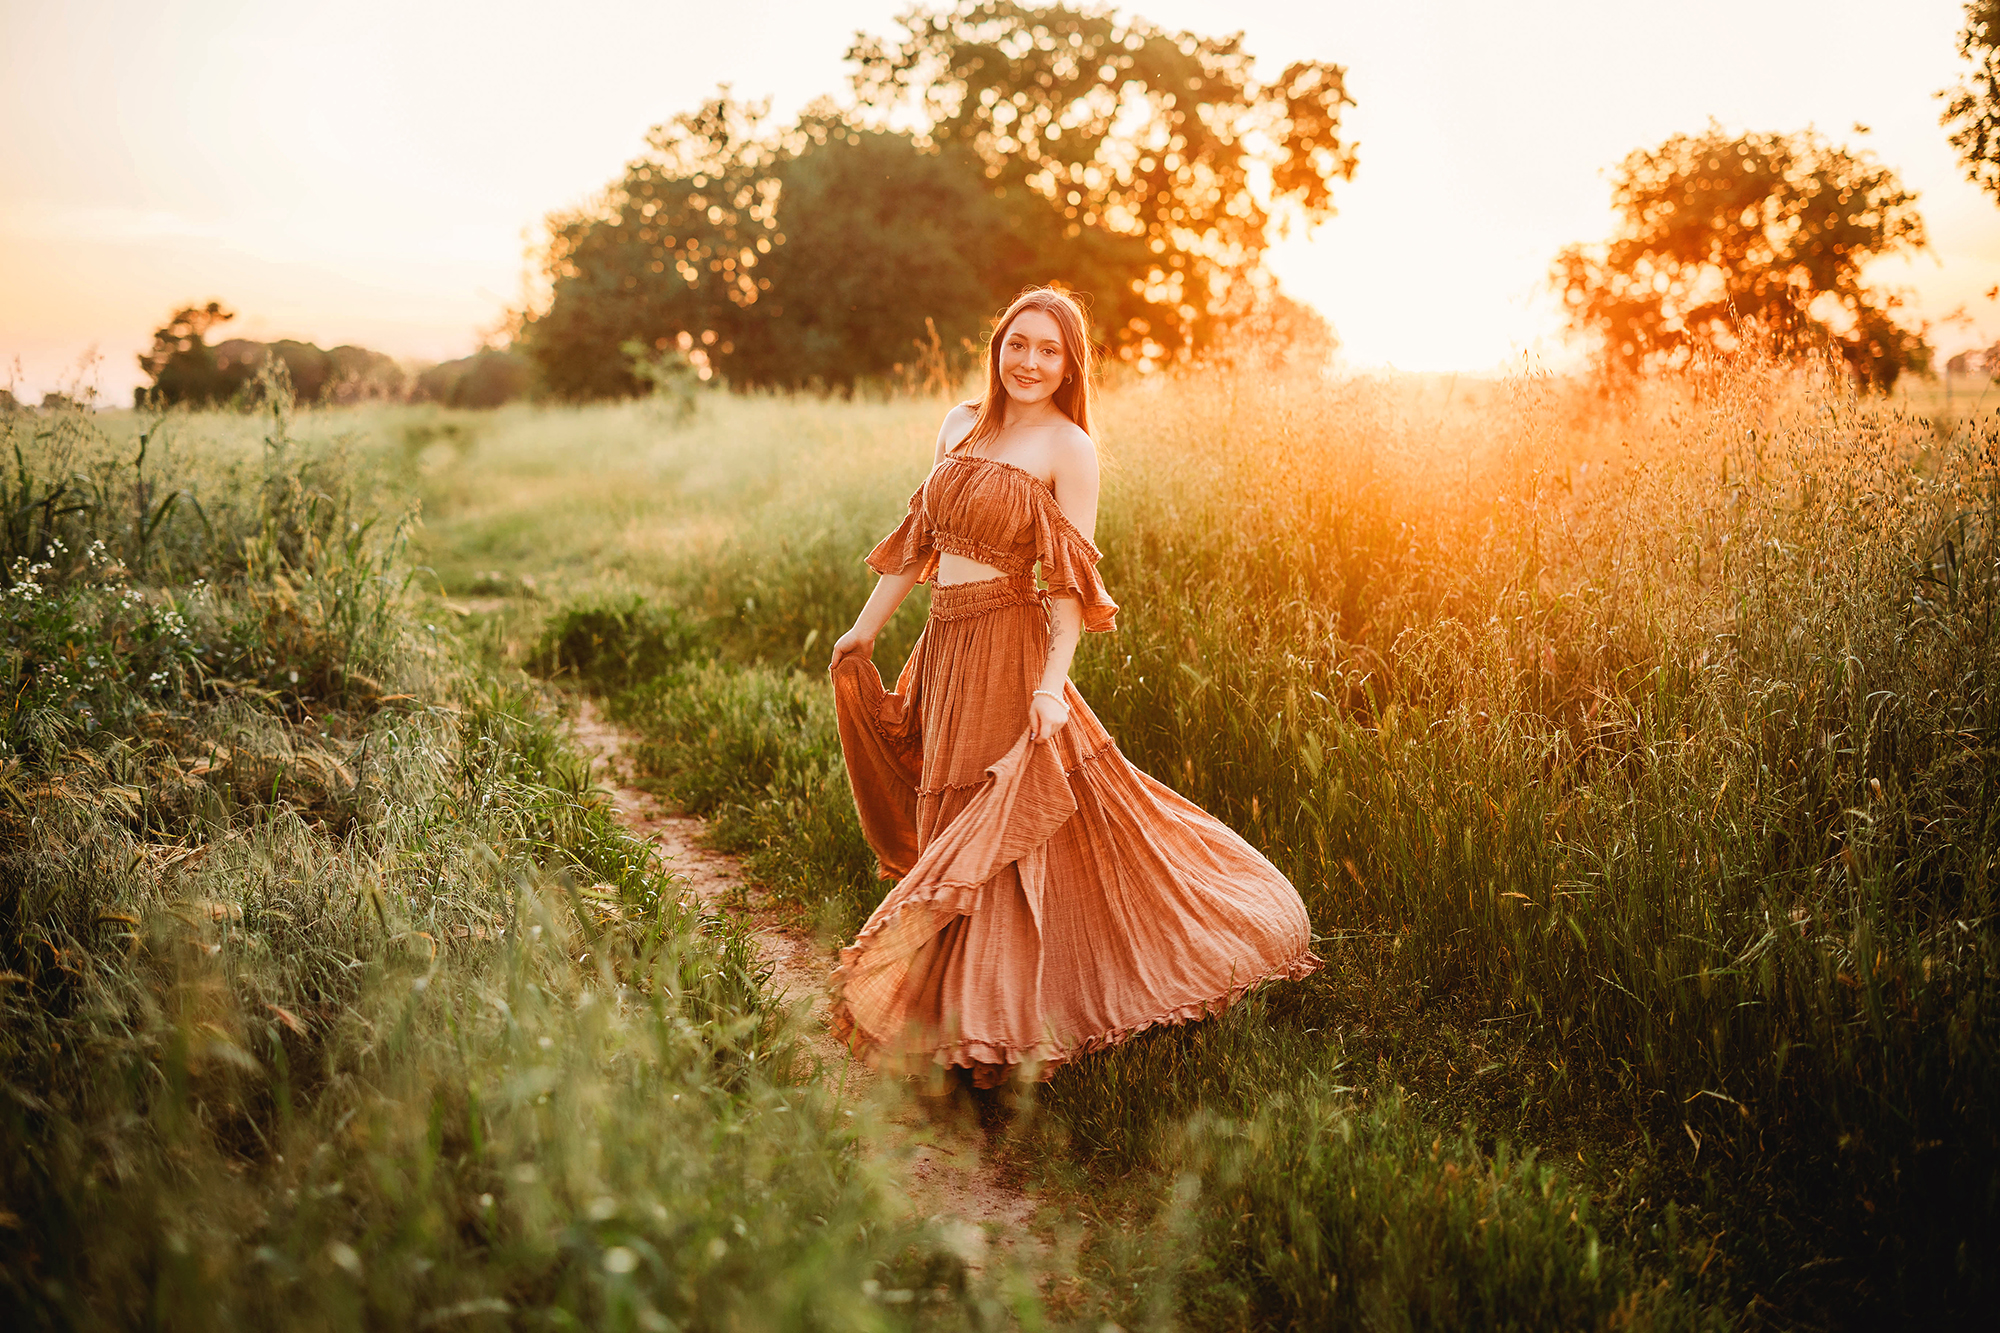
[{"x": 1053, "y": 695}]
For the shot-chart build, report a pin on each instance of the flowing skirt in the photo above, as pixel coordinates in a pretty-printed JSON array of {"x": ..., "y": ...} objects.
[{"x": 1053, "y": 900}]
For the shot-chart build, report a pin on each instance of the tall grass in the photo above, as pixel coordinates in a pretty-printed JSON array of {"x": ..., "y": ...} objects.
[
  {"x": 1634, "y": 759},
  {"x": 334, "y": 996},
  {"x": 1265, "y": 1178},
  {"x": 1664, "y": 732}
]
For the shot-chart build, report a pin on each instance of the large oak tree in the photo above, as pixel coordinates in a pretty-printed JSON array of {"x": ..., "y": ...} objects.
[
  {"x": 794, "y": 257},
  {"x": 1718, "y": 233},
  {"x": 1122, "y": 128},
  {"x": 181, "y": 363},
  {"x": 991, "y": 146}
]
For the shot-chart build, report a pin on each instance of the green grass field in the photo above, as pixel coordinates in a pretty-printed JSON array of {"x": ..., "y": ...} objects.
[
  {"x": 334, "y": 996},
  {"x": 1635, "y": 761}
]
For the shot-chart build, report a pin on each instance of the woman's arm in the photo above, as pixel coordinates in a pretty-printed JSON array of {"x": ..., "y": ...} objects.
[
  {"x": 1076, "y": 480},
  {"x": 1046, "y": 715},
  {"x": 1076, "y": 487},
  {"x": 890, "y": 590}
]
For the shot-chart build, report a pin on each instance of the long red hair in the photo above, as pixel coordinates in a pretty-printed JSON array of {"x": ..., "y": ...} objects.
[{"x": 1072, "y": 397}]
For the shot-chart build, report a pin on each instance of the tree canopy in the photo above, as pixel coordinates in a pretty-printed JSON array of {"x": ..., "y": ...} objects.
[
  {"x": 1974, "y": 106},
  {"x": 1719, "y": 231},
  {"x": 992, "y": 146},
  {"x": 1148, "y": 135},
  {"x": 693, "y": 249}
]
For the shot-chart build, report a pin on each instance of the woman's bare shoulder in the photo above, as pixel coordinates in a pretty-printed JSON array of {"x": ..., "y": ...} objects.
[
  {"x": 956, "y": 426},
  {"x": 1073, "y": 447}
]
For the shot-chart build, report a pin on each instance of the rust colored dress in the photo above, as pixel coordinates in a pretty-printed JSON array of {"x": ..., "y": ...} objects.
[{"x": 1052, "y": 899}]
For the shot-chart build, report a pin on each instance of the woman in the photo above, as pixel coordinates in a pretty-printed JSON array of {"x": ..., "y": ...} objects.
[{"x": 1053, "y": 900}]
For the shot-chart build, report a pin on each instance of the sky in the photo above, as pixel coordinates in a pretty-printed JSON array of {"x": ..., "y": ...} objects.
[{"x": 377, "y": 172}]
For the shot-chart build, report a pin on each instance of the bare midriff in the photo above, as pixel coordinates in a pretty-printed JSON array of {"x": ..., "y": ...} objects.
[{"x": 963, "y": 569}]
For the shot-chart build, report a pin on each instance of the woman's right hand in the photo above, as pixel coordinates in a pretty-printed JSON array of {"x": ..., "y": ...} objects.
[{"x": 852, "y": 644}]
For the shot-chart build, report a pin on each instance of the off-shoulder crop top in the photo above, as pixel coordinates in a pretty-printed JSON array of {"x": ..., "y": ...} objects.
[{"x": 999, "y": 515}]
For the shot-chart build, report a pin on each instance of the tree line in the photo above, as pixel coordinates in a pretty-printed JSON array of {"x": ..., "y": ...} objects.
[
  {"x": 992, "y": 145},
  {"x": 187, "y": 370}
]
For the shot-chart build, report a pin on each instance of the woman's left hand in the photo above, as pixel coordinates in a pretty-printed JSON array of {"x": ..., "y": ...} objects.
[{"x": 1046, "y": 717}]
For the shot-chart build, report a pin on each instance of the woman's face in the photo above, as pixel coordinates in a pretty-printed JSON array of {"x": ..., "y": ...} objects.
[{"x": 1032, "y": 364}]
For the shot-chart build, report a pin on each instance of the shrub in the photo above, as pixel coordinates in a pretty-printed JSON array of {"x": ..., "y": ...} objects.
[
  {"x": 610, "y": 645},
  {"x": 1312, "y": 1213}
]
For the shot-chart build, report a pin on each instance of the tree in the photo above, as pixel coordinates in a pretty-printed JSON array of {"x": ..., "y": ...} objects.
[
  {"x": 1128, "y": 131},
  {"x": 181, "y": 364},
  {"x": 186, "y": 369},
  {"x": 1717, "y": 232},
  {"x": 1975, "y": 102},
  {"x": 490, "y": 377},
  {"x": 778, "y": 256},
  {"x": 1977, "y": 361},
  {"x": 359, "y": 374},
  {"x": 820, "y": 253}
]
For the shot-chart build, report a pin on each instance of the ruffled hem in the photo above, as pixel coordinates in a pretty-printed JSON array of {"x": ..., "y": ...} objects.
[
  {"x": 1297, "y": 969},
  {"x": 910, "y": 544},
  {"x": 993, "y": 1063},
  {"x": 1069, "y": 566},
  {"x": 951, "y": 543},
  {"x": 945, "y": 895}
]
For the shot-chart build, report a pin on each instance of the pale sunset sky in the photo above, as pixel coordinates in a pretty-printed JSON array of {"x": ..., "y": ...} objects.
[{"x": 375, "y": 172}]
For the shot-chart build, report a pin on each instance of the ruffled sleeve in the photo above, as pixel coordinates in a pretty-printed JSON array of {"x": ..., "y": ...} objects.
[
  {"x": 910, "y": 544},
  {"x": 1069, "y": 564}
]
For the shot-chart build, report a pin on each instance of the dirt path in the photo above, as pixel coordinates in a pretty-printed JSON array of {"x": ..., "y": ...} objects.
[{"x": 947, "y": 1170}]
